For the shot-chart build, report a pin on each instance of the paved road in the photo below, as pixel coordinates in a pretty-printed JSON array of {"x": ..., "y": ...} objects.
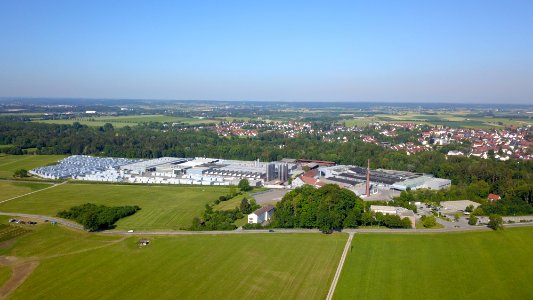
[
  {"x": 40, "y": 217},
  {"x": 339, "y": 267},
  {"x": 75, "y": 225}
]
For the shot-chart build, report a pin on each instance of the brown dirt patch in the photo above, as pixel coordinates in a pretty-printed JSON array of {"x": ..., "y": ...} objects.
[
  {"x": 20, "y": 271},
  {"x": 7, "y": 244}
]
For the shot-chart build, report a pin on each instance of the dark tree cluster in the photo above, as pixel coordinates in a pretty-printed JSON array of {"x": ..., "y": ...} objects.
[
  {"x": 97, "y": 217},
  {"x": 328, "y": 208}
]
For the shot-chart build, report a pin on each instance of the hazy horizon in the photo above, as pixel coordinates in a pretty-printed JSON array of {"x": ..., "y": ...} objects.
[{"x": 340, "y": 51}]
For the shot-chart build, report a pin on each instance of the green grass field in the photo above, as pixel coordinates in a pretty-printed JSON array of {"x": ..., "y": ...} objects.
[
  {"x": 5, "y": 273},
  {"x": 162, "y": 207},
  {"x": 11, "y": 189},
  {"x": 475, "y": 265},
  {"x": 92, "y": 266},
  {"x": 11, "y": 163},
  {"x": 121, "y": 121}
]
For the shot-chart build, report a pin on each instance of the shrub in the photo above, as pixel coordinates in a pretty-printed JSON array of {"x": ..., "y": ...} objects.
[
  {"x": 20, "y": 173},
  {"x": 495, "y": 222},
  {"x": 429, "y": 221}
]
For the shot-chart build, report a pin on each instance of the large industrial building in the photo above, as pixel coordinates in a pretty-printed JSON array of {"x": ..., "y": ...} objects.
[
  {"x": 167, "y": 170},
  {"x": 380, "y": 179},
  {"x": 379, "y": 184}
]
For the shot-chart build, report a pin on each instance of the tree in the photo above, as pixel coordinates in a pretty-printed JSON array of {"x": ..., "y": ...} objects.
[
  {"x": 406, "y": 222},
  {"x": 245, "y": 206},
  {"x": 244, "y": 185},
  {"x": 495, "y": 222},
  {"x": 456, "y": 217},
  {"x": 20, "y": 173},
  {"x": 429, "y": 221},
  {"x": 472, "y": 220},
  {"x": 232, "y": 192},
  {"x": 469, "y": 208},
  {"x": 367, "y": 218},
  {"x": 108, "y": 127}
]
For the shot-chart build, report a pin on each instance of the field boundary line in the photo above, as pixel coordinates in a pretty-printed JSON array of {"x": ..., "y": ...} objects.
[
  {"x": 339, "y": 267},
  {"x": 20, "y": 196}
]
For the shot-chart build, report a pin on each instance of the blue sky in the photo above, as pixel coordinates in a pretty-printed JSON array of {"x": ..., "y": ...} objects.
[{"x": 427, "y": 51}]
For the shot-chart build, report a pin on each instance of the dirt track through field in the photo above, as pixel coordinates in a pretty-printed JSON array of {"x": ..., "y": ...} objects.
[
  {"x": 339, "y": 267},
  {"x": 20, "y": 271},
  {"x": 20, "y": 196}
]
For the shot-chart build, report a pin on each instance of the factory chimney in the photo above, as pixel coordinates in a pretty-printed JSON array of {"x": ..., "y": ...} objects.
[{"x": 368, "y": 179}]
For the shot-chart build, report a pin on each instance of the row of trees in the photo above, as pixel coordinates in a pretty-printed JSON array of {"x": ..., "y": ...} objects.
[
  {"x": 213, "y": 219},
  {"x": 328, "y": 208},
  {"x": 97, "y": 217}
]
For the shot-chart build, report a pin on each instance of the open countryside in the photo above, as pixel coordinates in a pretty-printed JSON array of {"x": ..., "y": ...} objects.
[
  {"x": 303, "y": 150},
  {"x": 132, "y": 120}
]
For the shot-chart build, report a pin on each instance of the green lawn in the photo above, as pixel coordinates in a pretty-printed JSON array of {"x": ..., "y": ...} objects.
[
  {"x": 162, "y": 207},
  {"x": 260, "y": 266},
  {"x": 11, "y": 163},
  {"x": 478, "y": 265},
  {"x": 5, "y": 273},
  {"x": 9, "y": 189},
  {"x": 233, "y": 202}
]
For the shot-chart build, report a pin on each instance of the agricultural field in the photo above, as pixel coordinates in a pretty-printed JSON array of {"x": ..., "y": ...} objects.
[
  {"x": 453, "y": 120},
  {"x": 359, "y": 121},
  {"x": 121, "y": 121},
  {"x": 11, "y": 163},
  {"x": 162, "y": 207},
  {"x": 263, "y": 266},
  {"x": 474, "y": 265},
  {"x": 11, "y": 189}
]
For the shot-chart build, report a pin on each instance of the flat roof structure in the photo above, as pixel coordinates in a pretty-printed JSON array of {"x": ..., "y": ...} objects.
[
  {"x": 458, "y": 205},
  {"x": 146, "y": 165}
]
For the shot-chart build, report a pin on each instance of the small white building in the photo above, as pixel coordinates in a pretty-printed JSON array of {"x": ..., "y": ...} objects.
[{"x": 261, "y": 215}]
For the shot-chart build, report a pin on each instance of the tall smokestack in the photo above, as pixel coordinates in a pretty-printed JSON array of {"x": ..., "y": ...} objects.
[{"x": 368, "y": 179}]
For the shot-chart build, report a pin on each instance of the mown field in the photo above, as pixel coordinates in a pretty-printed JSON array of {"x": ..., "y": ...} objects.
[
  {"x": 475, "y": 265},
  {"x": 453, "y": 120},
  {"x": 11, "y": 163},
  {"x": 92, "y": 266},
  {"x": 121, "y": 121},
  {"x": 9, "y": 189},
  {"x": 162, "y": 207}
]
